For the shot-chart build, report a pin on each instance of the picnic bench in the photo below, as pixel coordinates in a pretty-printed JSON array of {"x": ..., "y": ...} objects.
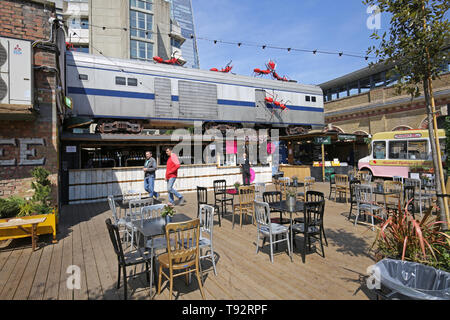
[{"x": 30, "y": 226}]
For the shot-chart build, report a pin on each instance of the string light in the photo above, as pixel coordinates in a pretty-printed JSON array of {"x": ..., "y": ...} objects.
[{"x": 239, "y": 44}]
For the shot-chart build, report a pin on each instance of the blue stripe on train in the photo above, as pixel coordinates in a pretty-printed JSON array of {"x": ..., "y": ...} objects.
[{"x": 151, "y": 96}]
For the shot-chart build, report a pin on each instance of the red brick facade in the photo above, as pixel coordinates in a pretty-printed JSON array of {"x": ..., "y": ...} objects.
[{"x": 27, "y": 144}]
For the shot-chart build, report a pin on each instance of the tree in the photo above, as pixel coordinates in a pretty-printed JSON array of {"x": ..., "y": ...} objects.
[{"x": 417, "y": 45}]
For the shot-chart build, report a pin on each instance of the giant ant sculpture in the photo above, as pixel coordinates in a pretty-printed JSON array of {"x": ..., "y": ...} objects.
[
  {"x": 227, "y": 68},
  {"x": 270, "y": 69}
]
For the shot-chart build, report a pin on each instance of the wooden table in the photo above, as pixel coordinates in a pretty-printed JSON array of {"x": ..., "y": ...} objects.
[{"x": 21, "y": 223}]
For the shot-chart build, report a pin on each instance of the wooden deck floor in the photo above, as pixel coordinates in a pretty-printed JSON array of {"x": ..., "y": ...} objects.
[{"x": 242, "y": 274}]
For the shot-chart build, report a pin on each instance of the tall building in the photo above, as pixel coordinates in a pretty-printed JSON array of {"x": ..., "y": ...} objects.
[
  {"x": 126, "y": 29},
  {"x": 182, "y": 13}
]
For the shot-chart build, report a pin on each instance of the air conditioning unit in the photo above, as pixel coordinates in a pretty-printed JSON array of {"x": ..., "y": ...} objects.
[{"x": 16, "y": 72}]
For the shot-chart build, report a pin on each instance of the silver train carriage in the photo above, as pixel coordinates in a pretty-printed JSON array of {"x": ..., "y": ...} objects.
[{"x": 130, "y": 94}]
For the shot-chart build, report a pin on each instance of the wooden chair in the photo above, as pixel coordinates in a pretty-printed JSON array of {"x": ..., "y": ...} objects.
[
  {"x": 392, "y": 201},
  {"x": 246, "y": 202},
  {"x": 182, "y": 253},
  {"x": 342, "y": 186}
]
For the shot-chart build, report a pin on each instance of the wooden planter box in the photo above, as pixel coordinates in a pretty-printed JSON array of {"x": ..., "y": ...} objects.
[{"x": 46, "y": 227}]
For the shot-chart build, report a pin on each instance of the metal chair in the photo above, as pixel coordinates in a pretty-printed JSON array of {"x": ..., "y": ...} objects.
[
  {"x": 365, "y": 202},
  {"x": 392, "y": 201},
  {"x": 135, "y": 212},
  {"x": 365, "y": 177},
  {"x": 221, "y": 197},
  {"x": 308, "y": 185},
  {"x": 182, "y": 253},
  {"x": 206, "y": 217},
  {"x": 266, "y": 228},
  {"x": 155, "y": 243},
  {"x": 332, "y": 186},
  {"x": 419, "y": 195},
  {"x": 353, "y": 183},
  {"x": 312, "y": 225},
  {"x": 246, "y": 199},
  {"x": 123, "y": 223},
  {"x": 408, "y": 197},
  {"x": 128, "y": 259},
  {"x": 260, "y": 188},
  {"x": 398, "y": 179},
  {"x": 202, "y": 198}
]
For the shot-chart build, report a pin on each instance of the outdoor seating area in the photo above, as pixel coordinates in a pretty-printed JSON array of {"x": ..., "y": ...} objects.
[{"x": 125, "y": 251}]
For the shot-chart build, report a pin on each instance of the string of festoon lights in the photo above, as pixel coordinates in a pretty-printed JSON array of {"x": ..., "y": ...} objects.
[{"x": 242, "y": 43}]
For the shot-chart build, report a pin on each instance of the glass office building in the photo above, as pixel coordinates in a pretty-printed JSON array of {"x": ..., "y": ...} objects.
[{"x": 182, "y": 13}]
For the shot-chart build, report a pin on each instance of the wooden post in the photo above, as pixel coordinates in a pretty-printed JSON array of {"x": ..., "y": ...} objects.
[{"x": 323, "y": 162}]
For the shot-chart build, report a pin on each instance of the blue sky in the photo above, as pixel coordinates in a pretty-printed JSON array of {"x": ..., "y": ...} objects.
[{"x": 327, "y": 25}]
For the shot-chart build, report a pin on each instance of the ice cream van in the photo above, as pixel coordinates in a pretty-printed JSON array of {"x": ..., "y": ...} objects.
[{"x": 394, "y": 153}]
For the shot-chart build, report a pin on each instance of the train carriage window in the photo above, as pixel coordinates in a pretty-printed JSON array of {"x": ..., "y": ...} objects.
[
  {"x": 132, "y": 82},
  {"x": 121, "y": 81},
  {"x": 308, "y": 98},
  {"x": 83, "y": 77},
  {"x": 313, "y": 99}
]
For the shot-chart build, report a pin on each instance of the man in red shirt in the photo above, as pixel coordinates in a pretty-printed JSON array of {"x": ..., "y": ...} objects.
[{"x": 171, "y": 175}]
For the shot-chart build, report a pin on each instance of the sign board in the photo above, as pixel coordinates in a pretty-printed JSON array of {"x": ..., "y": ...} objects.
[
  {"x": 322, "y": 140},
  {"x": 347, "y": 137},
  {"x": 71, "y": 149},
  {"x": 408, "y": 136}
]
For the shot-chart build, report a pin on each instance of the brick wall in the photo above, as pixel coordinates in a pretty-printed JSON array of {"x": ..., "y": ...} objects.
[
  {"x": 27, "y": 144},
  {"x": 405, "y": 113}
]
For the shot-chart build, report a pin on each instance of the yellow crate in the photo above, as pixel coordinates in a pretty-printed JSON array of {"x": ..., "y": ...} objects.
[{"x": 46, "y": 227}]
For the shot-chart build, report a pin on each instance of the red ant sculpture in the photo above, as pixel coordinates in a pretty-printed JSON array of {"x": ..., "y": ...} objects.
[
  {"x": 172, "y": 60},
  {"x": 224, "y": 70},
  {"x": 280, "y": 104},
  {"x": 270, "y": 70}
]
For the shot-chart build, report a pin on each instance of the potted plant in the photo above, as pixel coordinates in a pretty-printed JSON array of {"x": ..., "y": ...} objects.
[
  {"x": 237, "y": 185},
  {"x": 402, "y": 237},
  {"x": 295, "y": 181},
  {"x": 39, "y": 206},
  {"x": 168, "y": 212}
]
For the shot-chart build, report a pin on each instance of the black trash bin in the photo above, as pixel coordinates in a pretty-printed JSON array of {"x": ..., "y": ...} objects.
[{"x": 410, "y": 280}]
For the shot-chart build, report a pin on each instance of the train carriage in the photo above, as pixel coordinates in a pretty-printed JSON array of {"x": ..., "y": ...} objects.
[{"x": 112, "y": 91}]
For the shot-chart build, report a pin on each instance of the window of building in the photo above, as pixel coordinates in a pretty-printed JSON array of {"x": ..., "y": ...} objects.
[
  {"x": 132, "y": 82},
  {"x": 141, "y": 24},
  {"x": 121, "y": 81},
  {"x": 81, "y": 23},
  {"x": 398, "y": 150},
  {"x": 141, "y": 4},
  {"x": 379, "y": 150},
  {"x": 313, "y": 99},
  {"x": 83, "y": 77},
  {"x": 308, "y": 98},
  {"x": 141, "y": 50}
]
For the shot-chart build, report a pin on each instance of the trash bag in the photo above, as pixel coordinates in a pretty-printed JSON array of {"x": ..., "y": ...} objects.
[{"x": 413, "y": 280}]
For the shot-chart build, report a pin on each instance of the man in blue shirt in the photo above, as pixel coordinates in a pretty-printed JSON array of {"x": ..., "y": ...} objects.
[{"x": 150, "y": 173}]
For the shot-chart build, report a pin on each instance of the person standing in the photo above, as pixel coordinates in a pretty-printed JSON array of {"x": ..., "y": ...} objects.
[
  {"x": 150, "y": 174},
  {"x": 246, "y": 170},
  {"x": 171, "y": 176}
]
